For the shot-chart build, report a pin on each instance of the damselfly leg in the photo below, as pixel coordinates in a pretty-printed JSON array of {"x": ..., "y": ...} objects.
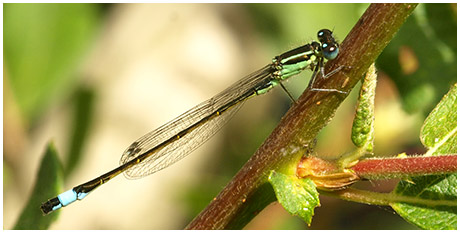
[{"x": 320, "y": 69}]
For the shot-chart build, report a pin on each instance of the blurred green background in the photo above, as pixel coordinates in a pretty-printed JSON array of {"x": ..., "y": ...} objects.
[{"x": 92, "y": 78}]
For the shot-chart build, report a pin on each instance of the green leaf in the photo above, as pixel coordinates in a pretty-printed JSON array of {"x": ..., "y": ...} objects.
[
  {"x": 434, "y": 188},
  {"x": 43, "y": 46},
  {"x": 49, "y": 182},
  {"x": 439, "y": 132},
  {"x": 439, "y": 135},
  {"x": 298, "y": 196},
  {"x": 83, "y": 111},
  {"x": 422, "y": 58}
]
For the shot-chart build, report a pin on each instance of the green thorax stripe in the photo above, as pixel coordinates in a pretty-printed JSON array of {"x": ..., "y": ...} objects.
[{"x": 296, "y": 55}]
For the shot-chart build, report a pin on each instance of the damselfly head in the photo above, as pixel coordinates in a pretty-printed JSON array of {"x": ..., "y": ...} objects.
[{"x": 329, "y": 46}]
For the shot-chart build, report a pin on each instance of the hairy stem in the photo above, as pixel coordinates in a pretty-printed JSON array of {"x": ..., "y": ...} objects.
[{"x": 385, "y": 168}]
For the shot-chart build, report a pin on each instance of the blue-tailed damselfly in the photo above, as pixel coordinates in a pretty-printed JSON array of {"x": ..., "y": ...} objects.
[{"x": 174, "y": 140}]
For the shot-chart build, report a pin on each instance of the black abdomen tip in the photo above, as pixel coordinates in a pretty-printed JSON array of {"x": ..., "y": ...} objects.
[{"x": 48, "y": 206}]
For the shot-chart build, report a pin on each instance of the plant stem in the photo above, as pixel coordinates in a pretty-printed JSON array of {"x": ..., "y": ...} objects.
[
  {"x": 374, "y": 198},
  {"x": 302, "y": 123},
  {"x": 385, "y": 168}
]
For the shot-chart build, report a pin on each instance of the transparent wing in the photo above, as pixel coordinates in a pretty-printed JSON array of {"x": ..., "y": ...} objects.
[{"x": 166, "y": 155}]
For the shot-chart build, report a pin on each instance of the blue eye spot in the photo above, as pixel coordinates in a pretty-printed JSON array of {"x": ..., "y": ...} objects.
[{"x": 331, "y": 52}]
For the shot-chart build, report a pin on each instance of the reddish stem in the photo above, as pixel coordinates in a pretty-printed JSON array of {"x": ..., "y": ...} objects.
[{"x": 379, "y": 168}]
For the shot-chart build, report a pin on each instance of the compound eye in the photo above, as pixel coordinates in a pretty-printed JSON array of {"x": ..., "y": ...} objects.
[{"x": 330, "y": 51}]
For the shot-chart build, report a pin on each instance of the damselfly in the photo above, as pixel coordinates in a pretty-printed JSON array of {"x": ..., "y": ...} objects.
[{"x": 176, "y": 139}]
